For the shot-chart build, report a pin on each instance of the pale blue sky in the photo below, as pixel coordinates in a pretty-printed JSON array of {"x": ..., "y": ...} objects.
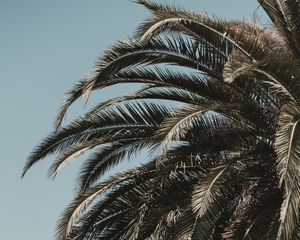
[{"x": 45, "y": 47}]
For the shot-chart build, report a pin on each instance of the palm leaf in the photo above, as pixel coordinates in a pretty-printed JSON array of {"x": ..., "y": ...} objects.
[
  {"x": 207, "y": 190},
  {"x": 113, "y": 123},
  {"x": 103, "y": 160},
  {"x": 80, "y": 203},
  {"x": 175, "y": 50},
  {"x": 69, "y": 154},
  {"x": 224, "y": 36},
  {"x": 287, "y": 148}
]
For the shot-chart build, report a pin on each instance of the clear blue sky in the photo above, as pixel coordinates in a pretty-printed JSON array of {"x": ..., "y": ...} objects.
[{"x": 45, "y": 47}]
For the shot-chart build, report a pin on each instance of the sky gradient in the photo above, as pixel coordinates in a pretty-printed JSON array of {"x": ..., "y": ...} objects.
[{"x": 45, "y": 47}]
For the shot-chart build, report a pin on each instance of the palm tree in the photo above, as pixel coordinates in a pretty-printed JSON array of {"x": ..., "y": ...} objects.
[{"x": 222, "y": 127}]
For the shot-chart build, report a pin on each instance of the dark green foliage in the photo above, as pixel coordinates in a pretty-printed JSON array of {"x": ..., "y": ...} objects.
[{"x": 225, "y": 158}]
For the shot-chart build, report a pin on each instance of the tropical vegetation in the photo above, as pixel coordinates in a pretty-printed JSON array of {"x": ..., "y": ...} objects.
[{"x": 218, "y": 110}]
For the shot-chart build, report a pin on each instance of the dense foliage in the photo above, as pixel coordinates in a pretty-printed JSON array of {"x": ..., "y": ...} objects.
[{"x": 219, "y": 111}]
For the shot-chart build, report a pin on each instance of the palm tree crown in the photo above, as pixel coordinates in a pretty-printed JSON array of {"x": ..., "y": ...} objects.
[{"x": 222, "y": 127}]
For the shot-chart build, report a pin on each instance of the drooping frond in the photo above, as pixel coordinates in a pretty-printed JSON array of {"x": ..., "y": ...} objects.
[
  {"x": 224, "y": 36},
  {"x": 176, "y": 50},
  {"x": 287, "y": 147},
  {"x": 75, "y": 209},
  {"x": 207, "y": 189},
  {"x": 274, "y": 72},
  {"x": 128, "y": 121},
  {"x": 70, "y": 154},
  {"x": 106, "y": 158}
]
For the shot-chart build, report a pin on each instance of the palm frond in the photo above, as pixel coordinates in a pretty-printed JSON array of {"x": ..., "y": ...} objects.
[
  {"x": 175, "y": 127},
  {"x": 103, "y": 160},
  {"x": 127, "y": 121},
  {"x": 287, "y": 148},
  {"x": 271, "y": 72},
  {"x": 167, "y": 220},
  {"x": 200, "y": 27},
  {"x": 296, "y": 232},
  {"x": 175, "y": 50},
  {"x": 205, "y": 126},
  {"x": 80, "y": 203},
  {"x": 207, "y": 190},
  {"x": 70, "y": 154}
]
